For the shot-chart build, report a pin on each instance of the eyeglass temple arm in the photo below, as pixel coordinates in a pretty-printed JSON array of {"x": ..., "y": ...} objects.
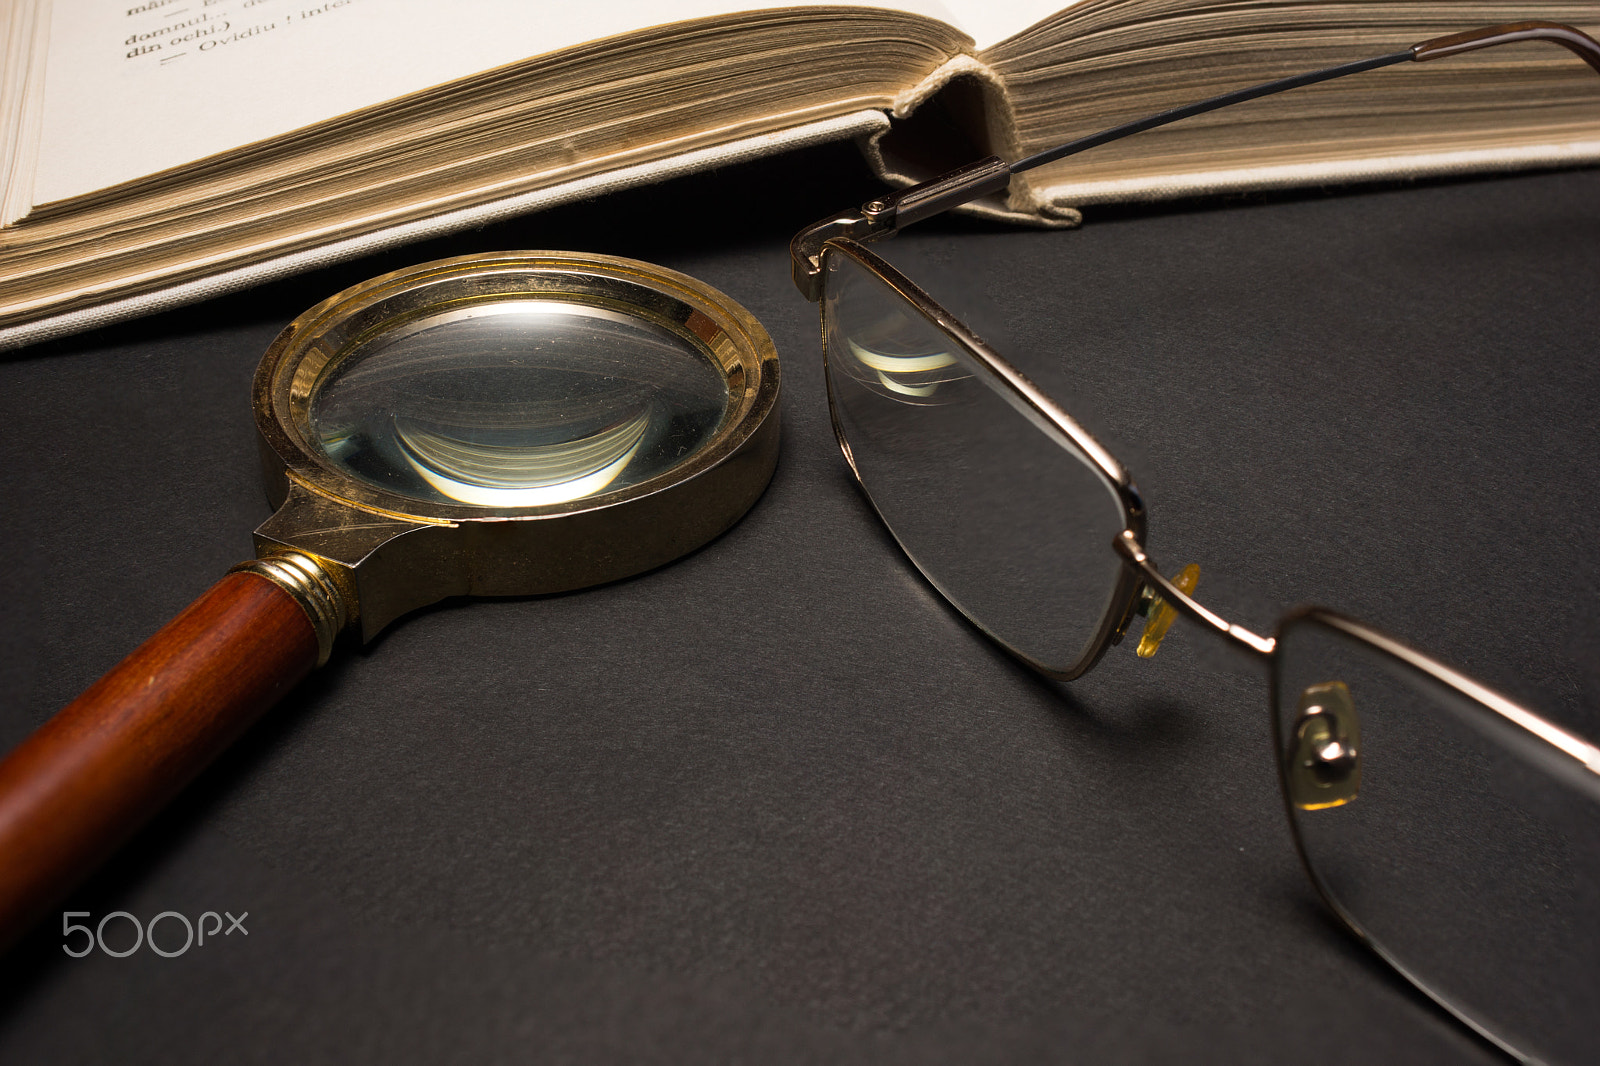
[
  {"x": 888, "y": 214},
  {"x": 1128, "y": 546}
]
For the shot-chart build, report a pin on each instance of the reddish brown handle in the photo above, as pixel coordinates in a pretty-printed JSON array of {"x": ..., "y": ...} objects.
[{"x": 95, "y": 772}]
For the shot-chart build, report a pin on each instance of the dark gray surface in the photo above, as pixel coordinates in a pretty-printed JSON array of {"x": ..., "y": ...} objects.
[{"x": 775, "y": 802}]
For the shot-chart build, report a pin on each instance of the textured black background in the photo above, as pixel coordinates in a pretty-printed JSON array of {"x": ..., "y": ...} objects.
[{"x": 775, "y": 802}]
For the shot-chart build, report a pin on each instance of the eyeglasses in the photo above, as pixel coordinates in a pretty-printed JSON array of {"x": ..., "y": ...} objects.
[{"x": 1419, "y": 799}]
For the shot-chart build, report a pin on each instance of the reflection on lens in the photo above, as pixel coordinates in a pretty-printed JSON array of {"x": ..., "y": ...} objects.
[
  {"x": 497, "y": 476},
  {"x": 518, "y": 404},
  {"x": 897, "y": 354},
  {"x": 1013, "y": 525},
  {"x": 1467, "y": 850}
]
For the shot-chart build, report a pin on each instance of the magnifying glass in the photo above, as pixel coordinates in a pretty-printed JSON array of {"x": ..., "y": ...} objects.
[{"x": 504, "y": 425}]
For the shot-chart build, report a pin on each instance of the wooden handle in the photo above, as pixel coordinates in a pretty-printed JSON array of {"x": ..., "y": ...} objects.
[{"x": 94, "y": 773}]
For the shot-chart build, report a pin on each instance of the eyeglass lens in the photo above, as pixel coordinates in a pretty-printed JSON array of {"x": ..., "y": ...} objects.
[
  {"x": 1465, "y": 849},
  {"x": 996, "y": 508}
]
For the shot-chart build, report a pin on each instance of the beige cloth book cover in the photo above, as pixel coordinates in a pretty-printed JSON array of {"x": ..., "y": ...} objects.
[{"x": 157, "y": 152}]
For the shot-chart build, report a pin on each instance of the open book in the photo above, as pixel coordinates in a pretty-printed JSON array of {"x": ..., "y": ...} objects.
[{"x": 158, "y": 151}]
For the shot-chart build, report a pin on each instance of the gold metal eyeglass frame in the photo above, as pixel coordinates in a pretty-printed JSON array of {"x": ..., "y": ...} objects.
[{"x": 1141, "y": 586}]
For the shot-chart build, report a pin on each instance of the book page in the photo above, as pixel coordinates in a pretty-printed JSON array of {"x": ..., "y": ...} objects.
[
  {"x": 26, "y": 29},
  {"x": 135, "y": 87},
  {"x": 989, "y": 22}
]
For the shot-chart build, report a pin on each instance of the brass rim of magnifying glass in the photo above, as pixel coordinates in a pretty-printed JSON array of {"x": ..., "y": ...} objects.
[{"x": 389, "y": 553}]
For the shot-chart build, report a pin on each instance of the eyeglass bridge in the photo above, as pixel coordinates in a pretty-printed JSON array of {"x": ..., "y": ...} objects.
[{"x": 1128, "y": 546}]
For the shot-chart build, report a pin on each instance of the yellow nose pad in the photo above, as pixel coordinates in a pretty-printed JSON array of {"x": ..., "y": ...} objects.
[
  {"x": 1323, "y": 762},
  {"x": 1160, "y": 614}
]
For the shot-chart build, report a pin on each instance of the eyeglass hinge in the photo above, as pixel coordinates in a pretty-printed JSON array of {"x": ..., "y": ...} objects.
[
  {"x": 958, "y": 187},
  {"x": 805, "y": 251},
  {"x": 886, "y": 214}
]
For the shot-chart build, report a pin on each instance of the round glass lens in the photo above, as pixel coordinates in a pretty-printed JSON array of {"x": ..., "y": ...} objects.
[{"x": 518, "y": 403}]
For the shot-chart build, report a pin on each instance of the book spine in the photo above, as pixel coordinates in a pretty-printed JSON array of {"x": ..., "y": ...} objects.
[{"x": 960, "y": 112}]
